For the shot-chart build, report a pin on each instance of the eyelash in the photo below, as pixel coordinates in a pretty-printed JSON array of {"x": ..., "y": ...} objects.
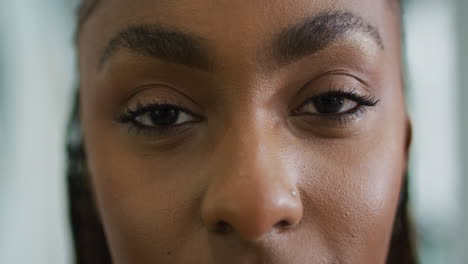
[
  {"x": 129, "y": 116},
  {"x": 365, "y": 103}
]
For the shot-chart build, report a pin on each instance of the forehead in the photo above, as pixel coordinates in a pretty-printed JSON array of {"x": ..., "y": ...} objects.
[
  {"x": 209, "y": 17},
  {"x": 88, "y": 6}
]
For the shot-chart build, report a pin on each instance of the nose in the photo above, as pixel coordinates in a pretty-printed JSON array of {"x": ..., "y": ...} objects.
[{"x": 251, "y": 192}]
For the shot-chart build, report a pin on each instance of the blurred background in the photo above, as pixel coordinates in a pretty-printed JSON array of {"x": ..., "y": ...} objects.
[{"x": 37, "y": 77}]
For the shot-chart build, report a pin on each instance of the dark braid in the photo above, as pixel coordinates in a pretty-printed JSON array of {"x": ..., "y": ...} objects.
[{"x": 88, "y": 236}]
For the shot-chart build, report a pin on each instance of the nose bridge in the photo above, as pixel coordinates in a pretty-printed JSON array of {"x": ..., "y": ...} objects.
[
  {"x": 252, "y": 149},
  {"x": 250, "y": 190},
  {"x": 251, "y": 153},
  {"x": 253, "y": 165}
]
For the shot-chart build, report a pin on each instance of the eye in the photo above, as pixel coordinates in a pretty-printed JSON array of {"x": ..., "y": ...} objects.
[
  {"x": 157, "y": 116},
  {"x": 163, "y": 115},
  {"x": 335, "y": 103},
  {"x": 328, "y": 105}
]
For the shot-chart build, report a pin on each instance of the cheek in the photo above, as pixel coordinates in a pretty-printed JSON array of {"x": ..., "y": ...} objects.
[
  {"x": 148, "y": 204},
  {"x": 351, "y": 190}
]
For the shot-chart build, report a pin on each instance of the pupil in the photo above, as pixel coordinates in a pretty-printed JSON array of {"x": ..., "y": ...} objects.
[
  {"x": 164, "y": 116},
  {"x": 328, "y": 104}
]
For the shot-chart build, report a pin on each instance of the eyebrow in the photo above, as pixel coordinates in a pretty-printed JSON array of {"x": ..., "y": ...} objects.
[
  {"x": 316, "y": 33},
  {"x": 162, "y": 43},
  {"x": 297, "y": 41}
]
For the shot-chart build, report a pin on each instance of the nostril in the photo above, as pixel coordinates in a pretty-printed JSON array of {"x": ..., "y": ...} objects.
[
  {"x": 222, "y": 227},
  {"x": 283, "y": 224}
]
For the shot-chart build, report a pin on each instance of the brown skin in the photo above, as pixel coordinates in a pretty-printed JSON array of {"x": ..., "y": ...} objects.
[{"x": 253, "y": 178}]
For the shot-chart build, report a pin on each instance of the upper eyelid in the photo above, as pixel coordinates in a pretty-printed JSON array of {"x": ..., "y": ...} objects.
[
  {"x": 333, "y": 84},
  {"x": 348, "y": 91},
  {"x": 150, "y": 104},
  {"x": 178, "y": 96},
  {"x": 351, "y": 94}
]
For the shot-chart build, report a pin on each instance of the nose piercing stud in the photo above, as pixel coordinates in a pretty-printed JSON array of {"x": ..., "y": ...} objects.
[{"x": 294, "y": 193}]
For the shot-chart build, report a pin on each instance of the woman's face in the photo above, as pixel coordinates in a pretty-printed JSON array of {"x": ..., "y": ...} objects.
[{"x": 228, "y": 131}]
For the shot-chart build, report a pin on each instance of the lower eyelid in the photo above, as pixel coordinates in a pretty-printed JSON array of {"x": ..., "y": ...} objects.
[{"x": 158, "y": 132}]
